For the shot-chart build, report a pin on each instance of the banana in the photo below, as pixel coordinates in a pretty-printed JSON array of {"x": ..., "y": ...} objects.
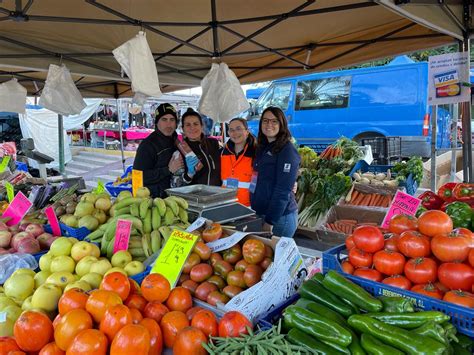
[
  {"x": 183, "y": 215},
  {"x": 136, "y": 222},
  {"x": 155, "y": 237},
  {"x": 95, "y": 235},
  {"x": 165, "y": 232},
  {"x": 144, "y": 206},
  {"x": 181, "y": 202},
  {"x": 169, "y": 217},
  {"x": 160, "y": 203},
  {"x": 171, "y": 203},
  {"x": 146, "y": 247},
  {"x": 135, "y": 243},
  {"x": 110, "y": 231},
  {"x": 104, "y": 226},
  {"x": 110, "y": 249},
  {"x": 122, "y": 211},
  {"x": 134, "y": 209},
  {"x": 155, "y": 218},
  {"x": 103, "y": 245},
  {"x": 136, "y": 252},
  {"x": 127, "y": 202},
  {"x": 147, "y": 222}
]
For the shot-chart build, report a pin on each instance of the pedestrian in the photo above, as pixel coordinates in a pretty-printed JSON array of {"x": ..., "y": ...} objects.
[
  {"x": 275, "y": 171},
  {"x": 154, "y": 152},
  {"x": 237, "y": 159}
]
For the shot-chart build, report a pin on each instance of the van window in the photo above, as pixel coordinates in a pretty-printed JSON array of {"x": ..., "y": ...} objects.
[
  {"x": 277, "y": 95},
  {"x": 323, "y": 93}
]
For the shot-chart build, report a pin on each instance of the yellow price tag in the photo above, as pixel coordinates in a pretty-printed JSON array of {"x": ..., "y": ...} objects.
[
  {"x": 137, "y": 180},
  {"x": 100, "y": 187},
  {"x": 171, "y": 260},
  {"x": 10, "y": 191},
  {"x": 4, "y": 163}
]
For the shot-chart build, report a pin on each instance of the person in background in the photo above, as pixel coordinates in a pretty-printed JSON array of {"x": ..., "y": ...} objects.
[
  {"x": 237, "y": 158},
  {"x": 154, "y": 152},
  {"x": 275, "y": 171}
]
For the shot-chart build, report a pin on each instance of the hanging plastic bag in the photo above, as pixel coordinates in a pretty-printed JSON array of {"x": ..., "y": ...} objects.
[
  {"x": 136, "y": 60},
  {"x": 60, "y": 94},
  {"x": 222, "y": 96},
  {"x": 12, "y": 97}
]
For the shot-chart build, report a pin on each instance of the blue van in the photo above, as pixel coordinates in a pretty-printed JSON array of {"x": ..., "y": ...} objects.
[{"x": 384, "y": 101}]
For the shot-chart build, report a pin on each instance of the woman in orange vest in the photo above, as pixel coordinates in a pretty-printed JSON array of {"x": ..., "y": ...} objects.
[{"x": 237, "y": 158}]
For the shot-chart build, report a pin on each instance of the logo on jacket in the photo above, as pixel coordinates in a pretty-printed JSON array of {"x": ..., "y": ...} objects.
[{"x": 286, "y": 168}]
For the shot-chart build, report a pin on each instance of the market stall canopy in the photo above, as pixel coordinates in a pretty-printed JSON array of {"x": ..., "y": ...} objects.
[{"x": 259, "y": 40}]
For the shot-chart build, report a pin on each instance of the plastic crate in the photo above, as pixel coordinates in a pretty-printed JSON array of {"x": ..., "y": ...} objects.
[
  {"x": 265, "y": 321},
  {"x": 384, "y": 149},
  {"x": 139, "y": 277},
  {"x": 461, "y": 317},
  {"x": 37, "y": 256},
  {"x": 318, "y": 148},
  {"x": 21, "y": 166},
  {"x": 78, "y": 233},
  {"x": 115, "y": 190}
]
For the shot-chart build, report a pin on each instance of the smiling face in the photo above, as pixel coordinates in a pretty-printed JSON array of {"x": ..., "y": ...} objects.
[
  {"x": 270, "y": 126},
  {"x": 237, "y": 132},
  {"x": 192, "y": 128},
  {"x": 167, "y": 124}
]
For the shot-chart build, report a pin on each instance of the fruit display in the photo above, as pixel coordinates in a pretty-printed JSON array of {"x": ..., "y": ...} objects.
[
  {"x": 125, "y": 180},
  {"x": 24, "y": 238}
]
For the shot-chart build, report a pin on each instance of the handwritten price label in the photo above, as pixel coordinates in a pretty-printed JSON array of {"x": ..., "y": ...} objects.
[
  {"x": 401, "y": 204},
  {"x": 10, "y": 191},
  {"x": 53, "y": 221},
  {"x": 17, "y": 209},
  {"x": 171, "y": 260},
  {"x": 4, "y": 163},
  {"x": 122, "y": 235},
  {"x": 137, "y": 180},
  {"x": 100, "y": 187}
]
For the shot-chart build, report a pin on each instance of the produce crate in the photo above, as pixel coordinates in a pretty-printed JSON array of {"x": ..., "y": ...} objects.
[
  {"x": 115, "y": 190},
  {"x": 21, "y": 166},
  {"x": 384, "y": 149},
  {"x": 409, "y": 184},
  {"x": 265, "y": 321},
  {"x": 461, "y": 317},
  {"x": 78, "y": 233},
  {"x": 38, "y": 255},
  {"x": 318, "y": 148},
  {"x": 139, "y": 277}
]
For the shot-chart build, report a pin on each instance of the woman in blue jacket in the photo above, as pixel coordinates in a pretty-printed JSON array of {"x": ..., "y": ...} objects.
[{"x": 275, "y": 170}]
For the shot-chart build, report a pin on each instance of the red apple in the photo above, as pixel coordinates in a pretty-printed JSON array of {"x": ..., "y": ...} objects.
[
  {"x": 35, "y": 229},
  {"x": 19, "y": 236},
  {"x": 5, "y": 238}
]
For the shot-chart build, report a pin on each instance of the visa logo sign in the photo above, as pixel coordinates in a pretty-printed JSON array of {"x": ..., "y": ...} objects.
[{"x": 447, "y": 78}]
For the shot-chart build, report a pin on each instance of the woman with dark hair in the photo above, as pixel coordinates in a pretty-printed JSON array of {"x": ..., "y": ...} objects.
[
  {"x": 237, "y": 158},
  {"x": 275, "y": 170}
]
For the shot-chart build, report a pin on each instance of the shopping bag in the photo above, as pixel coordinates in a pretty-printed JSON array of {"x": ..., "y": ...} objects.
[{"x": 12, "y": 97}]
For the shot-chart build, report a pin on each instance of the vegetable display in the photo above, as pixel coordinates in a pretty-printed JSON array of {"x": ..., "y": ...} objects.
[{"x": 413, "y": 166}]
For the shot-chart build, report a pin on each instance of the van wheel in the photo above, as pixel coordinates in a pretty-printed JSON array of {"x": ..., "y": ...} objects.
[{"x": 367, "y": 135}]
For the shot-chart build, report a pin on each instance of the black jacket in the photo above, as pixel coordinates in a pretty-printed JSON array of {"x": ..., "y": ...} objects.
[
  {"x": 209, "y": 153},
  {"x": 153, "y": 156}
]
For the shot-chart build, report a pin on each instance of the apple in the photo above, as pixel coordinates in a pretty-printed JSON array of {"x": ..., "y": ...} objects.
[
  {"x": 6, "y": 327},
  {"x": 62, "y": 263},
  {"x": 19, "y": 286},
  {"x": 45, "y": 262},
  {"x": 43, "y": 240},
  {"x": 95, "y": 250},
  {"x": 46, "y": 297},
  {"x": 40, "y": 277},
  {"x": 24, "y": 271},
  {"x": 26, "y": 306},
  {"x": 28, "y": 246},
  {"x": 5, "y": 238},
  {"x": 116, "y": 269},
  {"x": 81, "y": 249},
  {"x": 3, "y": 226},
  {"x": 19, "y": 236},
  {"x": 13, "y": 312},
  {"x": 60, "y": 278},
  {"x": 23, "y": 226},
  {"x": 61, "y": 246},
  {"x": 121, "y": 258},
  {"x": 93, "y": 279},
  {"x": 81, "y": 284},
  {"x": 35, "y": 229},
  {"x": 4, "y": 251},
  {"x": 101, "y": 266},
  {"x": 73, "y": 240},
  {"x": 5, "y": 302},
  {"x": 84, "y": 265},
  {"x": 134, "y": 268}
]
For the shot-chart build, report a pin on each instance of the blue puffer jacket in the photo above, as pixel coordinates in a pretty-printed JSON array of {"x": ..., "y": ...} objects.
[{"x": 273, "y": 196}]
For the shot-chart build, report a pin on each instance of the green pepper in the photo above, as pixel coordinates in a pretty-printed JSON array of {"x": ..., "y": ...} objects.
[
  {"x": 450, "y": 331},
  {"x": 410, "y": 320},
  {"x": 459, "y": 350},
  {"x": 432, "y": 330},
  {"x": 460, "y": 213},
  {"x": 465, "y": 342},
  {"x": 373, "y": 346},
  {"x": 316, "y": 325},
  {"x": 300, "y": 338},
  {"x": 396, "y": 304},
  {"x": 342, "y": 287},
  {"x": 319, "y": 279},
  {"x": 399, "y": 338},
  {"x": 420, "y": 211}
]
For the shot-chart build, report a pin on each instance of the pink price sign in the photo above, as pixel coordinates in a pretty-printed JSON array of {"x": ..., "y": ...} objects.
[
  {"x": 122, "y": 235},
  {"x": 402, "y": 204},
  {"x": 17, "y": 209},
  {"x": 53, "y": 221}
]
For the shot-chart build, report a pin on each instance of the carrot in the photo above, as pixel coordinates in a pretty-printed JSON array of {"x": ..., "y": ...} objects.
[
  {"x": 359, "y": 199},
  {"x": 355, "y": 193},
  {"x": 380, "y": 200},
  {"x": 371, "y": 200},
  {"x": 365, "y": 201},
  {"x": 348, "y": 221}
]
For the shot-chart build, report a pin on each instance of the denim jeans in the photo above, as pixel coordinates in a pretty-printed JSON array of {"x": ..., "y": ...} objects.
[{"x": 286, "y": 225}]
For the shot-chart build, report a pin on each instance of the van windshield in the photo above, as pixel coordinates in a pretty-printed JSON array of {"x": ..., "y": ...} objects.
[
  {"x": 278, "y": 94},
  {"x": 323, "y": 93}
]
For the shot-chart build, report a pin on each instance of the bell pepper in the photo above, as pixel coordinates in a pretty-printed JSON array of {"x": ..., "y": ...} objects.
[
  {"x": 430, "y": 200},
  {"x": 460, "y": 213},
  {"x": 300, "y": 338},
  {"x": 450, "y": 331},
  {"x": 463, "y": 192},
  {"x": 465, "y": 342},
  {"x": 374, "y": 346},
  {"x": 410, "y": 320},
  {"x": 396, "y": 304},
  {"x": 434, "y": 331},
  {"x": 318, "y": 277},
  {"x": 420, "y": 211},
  {"x": 446, "y": 191}
]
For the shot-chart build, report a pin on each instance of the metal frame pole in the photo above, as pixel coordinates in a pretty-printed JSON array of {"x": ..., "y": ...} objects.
[
  {"x": 434, "y": 118},
  {"x": 61, "y": 144},
  {"x": 119, "y": 112},
  {"x": 454, "y": 140},
  {"x": 465, "y": 108}
]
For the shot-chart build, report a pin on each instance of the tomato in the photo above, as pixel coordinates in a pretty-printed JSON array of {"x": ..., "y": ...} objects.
[
  {"x": 465, "y": 233},
  {"x": 99, "y": 301},
  {"x": 253, "y": 251},
  {"x": 136, "y": 316},
  {"x": 202, "y": 250},
  {"x": 171, "y": 324},
  {"x": 56, "y": 321},
  {"x": 182, "y": 278},
  {"x": 428, "y": 290},
  {"x": 134, "y": 287},
  {"x": 115, "y": 318},
  {"x": 90, "y": 342},
  {"x": 206, "y": 321},
  {"x": 421, "y": 270},
  {"x": 204, "y": 289},
  {"x": 51, "y": 349},
  {"x": 201, "y": 272},
  {"x": 155, "y": 287},
  {"x": 368, "y": 238},
  {"x": 131, "y": 339},
  {"x": 8, "y": 344},
  {"x": 456, "y": 276},
  {"x": 116, "y": 282},
  {"x": 370, "y": 274},
  {"x": 461, "y": 298},
  {"x": 391, "y": 241},
  {"x": 192, "y": 312},
  {"x": 266, "y": 262},
  {"x": 222, "y": 268},
  {"x": 33, "y": 330},
  {"x": 434, "y": 222},
  {"x": 398, "y": 281},
  {"x": 192, "y": 260},
  {"x": 218, "y": 281},
  {"x": 389, "y": 262},
  {"x": 232, "y": 324},
  {"x": 214, "y": 258},
  {"x": 471, "y": 257},
  {"x": 268, "y": 251},
  {"x": 347, "y": 267},
  {"x": 252, "y": 275},
  {"x": 216, "y": 297},
  {"x": 232, "y": 291},
  {"x": 441, "y": 287},
  {"x": 72, "y": 299},
  {"x": 401, "y": 223},
  {"x": 71, "y": 324},
  {"x": 191, "y": 286},
  {"x": 233, "y": 254},
  {"x": 136, "y": 301},
  {"x": 155, "y": 310},
  {"x": 179, "y": 299},
  {"x": 450, "y": 247},
  {"x": 212, "y": 232},
  {"x": 350, "y": 242},
  {"x": 359, "y": 258},
  {"x": 156, "y": 337},
  {"x": 189, "y": 341},
  {"x": 236, "y": 278},
  {"x": 414, "y": 245}
]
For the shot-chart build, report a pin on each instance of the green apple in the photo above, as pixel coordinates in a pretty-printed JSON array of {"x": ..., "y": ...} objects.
[
  {"x": 93, "y": 279},
  {"x": 45, "y": 262},
  {"x": 134, "y": 268},
  {"x": 46, "y": 297},
  {"x": 81, "y": 250},
  {"x": 6, "y": 301},
  {"x": 121, "y": 258},
  {"x": 81, "y": 284},
  {"x": 60, "y": 278},
  {"x": 6, "y": 326},
  {"x": 27, "y": 304},
  {"x": 62, "y": 263},
  {"x": 84, "y": 265},
  {"x": 95, "y": 250},
  {"x": 24, "y": 271},
  {"x": 101, "y": 266},
  {"x": 40, "y": 277},
  {"x": 73, "y": 240},
  {"x": 13, "y": 312},
  {"x": 19, "y": 286},
  {"x": 116, "y": 269},
  {"x": 61, "y": 246}
]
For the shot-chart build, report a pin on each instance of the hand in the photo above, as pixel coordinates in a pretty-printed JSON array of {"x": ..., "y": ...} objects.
[
  {"x": 175, "y": 164},
  {"x": 267, "y": 227},
  {"x": 191, "y": 162},
  {"x": 295, "y": 188}
]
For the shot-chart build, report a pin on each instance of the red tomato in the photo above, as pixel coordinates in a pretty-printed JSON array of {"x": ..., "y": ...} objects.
[
  {"x": 421, "y": 270},
  {"x": 253, "y": 251},
  {"x": 391, "y": 241},
  {"x": 398, "y": 281},
  {"x": 401, "y": 223},
  {"x": 359, "y": 258},
  {"x": 370, "y": 274},
  {"x": 389, "y": 262},
  {"x": 8, "y": 344},
  {"x": 414, "y": 245},
  {"x": 456, "y": 276},
  {"x": 435, "y": 222},
  {"x": 350, "y": 242},
  {"x": 368, "y": 238},
  {"x": 471, "y": 257},
  {"x": 461, "y": 298},
  {"x": 450, "y": 247},
  {"x": 232, "y": 324},
  {"x": 428, "y": 290},
  {"x": 465, "y": 233},
  {"x": 212, "y": 232},
  {"x": 347, "y": 267}
]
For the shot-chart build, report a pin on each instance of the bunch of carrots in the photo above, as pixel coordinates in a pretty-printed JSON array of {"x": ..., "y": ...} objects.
[
  {"x": 369, "y": 199},
  {"x": 331, "y": 152},
  {"x": 347, "y": 226}
]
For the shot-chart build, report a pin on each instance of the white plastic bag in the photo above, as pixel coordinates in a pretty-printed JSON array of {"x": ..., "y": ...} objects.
[
  {"x": 222, "y": 96},
  {"x": 136, "y": 60},
  {"x": 12, "y": 97},
  {"x": 60, "y": 94}
]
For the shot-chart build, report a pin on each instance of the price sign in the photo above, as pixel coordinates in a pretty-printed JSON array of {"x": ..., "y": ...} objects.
[
  {"x": 171, "y": 260},
  {"x": 53, "y": 221},
  {"x": 17, "y": 209},
  {"x": 10, "y": 191},
  {"x": 122, "y": 235},
  {"x": 401, "y": 204},
  {"x": 100, "y": 187},
  {"x": 198, "y": 223},
  {"x": 4, "y": 163},
  {"x": 137, "y": 180}
]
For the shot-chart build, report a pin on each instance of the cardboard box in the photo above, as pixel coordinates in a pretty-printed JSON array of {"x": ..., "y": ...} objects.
[{"x": 443, "y": 169}]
